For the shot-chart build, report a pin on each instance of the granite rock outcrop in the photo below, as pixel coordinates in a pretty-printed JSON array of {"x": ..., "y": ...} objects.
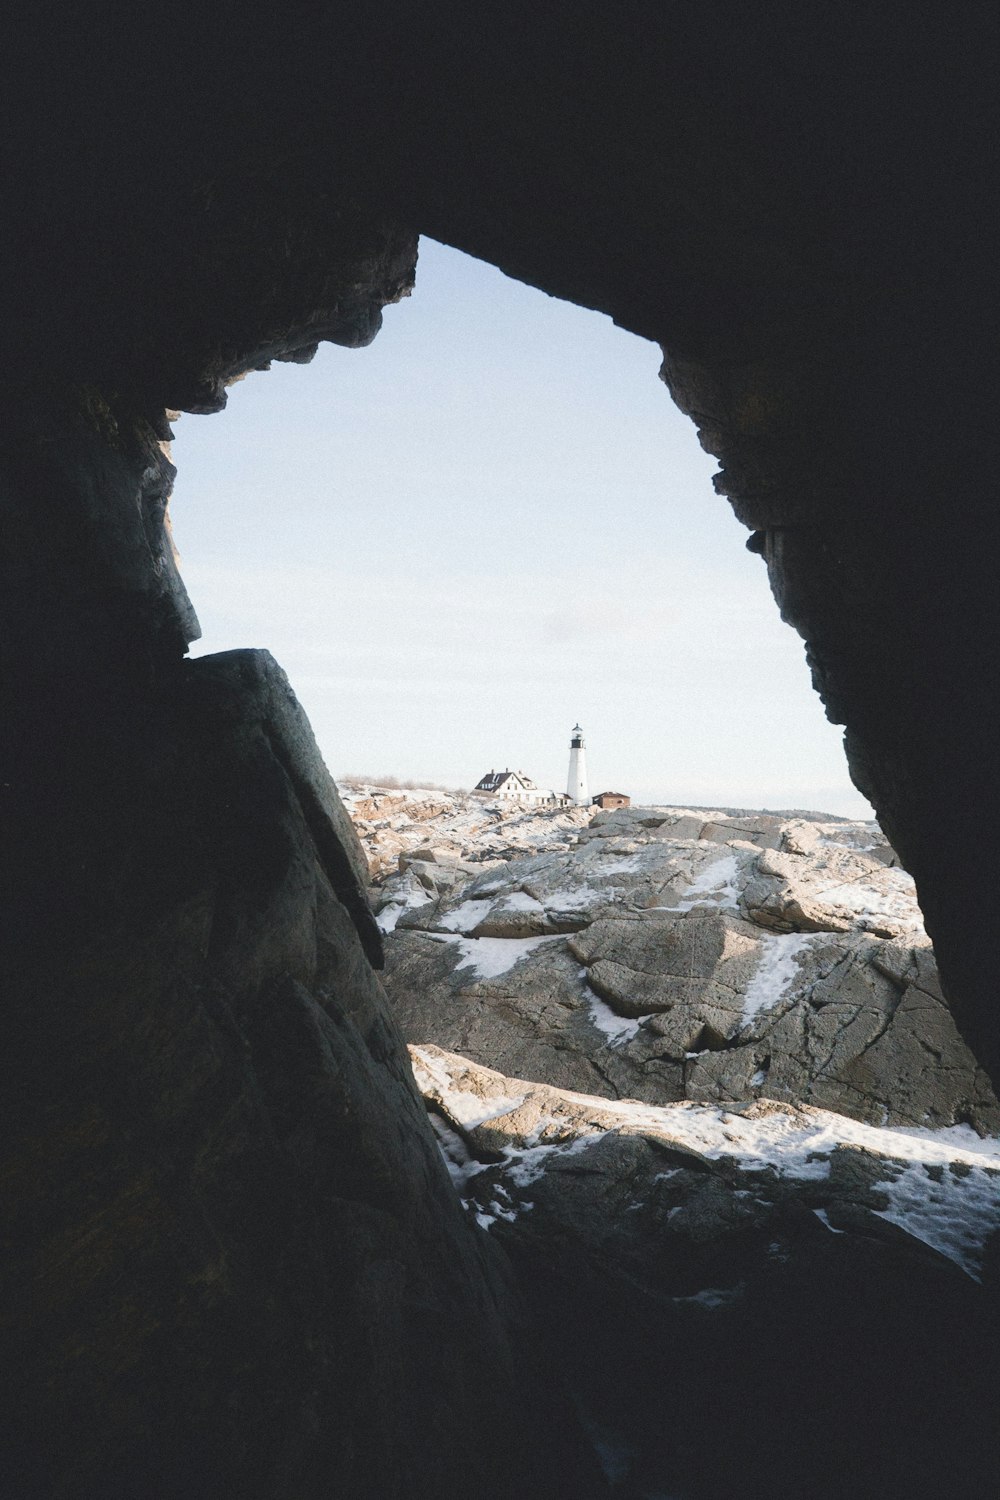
[{"x": 668, "y": 954}]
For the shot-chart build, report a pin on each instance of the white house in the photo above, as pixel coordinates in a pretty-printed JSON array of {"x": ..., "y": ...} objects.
[{"x": 515, "y": 786}]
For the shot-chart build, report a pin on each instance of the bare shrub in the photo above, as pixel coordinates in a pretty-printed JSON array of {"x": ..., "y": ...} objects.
[{"x": 355, "y": 783}]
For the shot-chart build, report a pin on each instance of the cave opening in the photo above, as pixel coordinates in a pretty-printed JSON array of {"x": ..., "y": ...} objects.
[
  {"x": 236, "y": 1265},
  {"x": 488, "y": 524}
]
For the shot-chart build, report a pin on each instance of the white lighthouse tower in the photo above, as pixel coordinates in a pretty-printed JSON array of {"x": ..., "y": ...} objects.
[{"x": 576, "y": 783}]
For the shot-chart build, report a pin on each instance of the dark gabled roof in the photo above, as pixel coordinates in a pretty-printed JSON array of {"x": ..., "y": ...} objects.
[
  {"x": 491, "y": 781},
  {"x": 611, "y": 794}
]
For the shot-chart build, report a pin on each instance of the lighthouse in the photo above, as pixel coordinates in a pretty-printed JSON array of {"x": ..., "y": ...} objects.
[{"x": 576, "y": 783}]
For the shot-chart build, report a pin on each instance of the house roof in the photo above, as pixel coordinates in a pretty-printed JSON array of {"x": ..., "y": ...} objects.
[
  {"x": 612, "y": 794},
  {"x": 493, "y": 780}
]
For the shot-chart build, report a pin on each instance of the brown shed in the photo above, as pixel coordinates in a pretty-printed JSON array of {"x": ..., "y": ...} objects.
[{"x": 612, "y": 799}]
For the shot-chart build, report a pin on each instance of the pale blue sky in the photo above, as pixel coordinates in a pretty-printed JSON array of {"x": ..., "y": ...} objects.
[{"x": 492, "y": 523}]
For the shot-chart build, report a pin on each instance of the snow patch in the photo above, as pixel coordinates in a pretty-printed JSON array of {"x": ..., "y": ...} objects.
[
  {"x": 389, "y": 916},
  {"x": 775, "y": 972},
  {"x": 615, "y": 1453},
  {"x": 716, "y": 885},
  {"x": 891, "y": 894},
  {"x": 520, "y": 901},
  {"x": 968, "y": 1145},
  {"x": 618, "y": 1029},
  {"x": 527, "y": 1163},
  {"x": 718, "y": 879},
  {"x": 466, "y": 916},
  {"x": 458, "y": 1159},
  {"x": 955, "y": 1216},
  {"x": 408, "y": 894},
  {"x": 583, "y": 895},
  {"x": 488, "y": 957},
  {"x": 628, "y": 865},
  {"x": 466, "y": 1107}
]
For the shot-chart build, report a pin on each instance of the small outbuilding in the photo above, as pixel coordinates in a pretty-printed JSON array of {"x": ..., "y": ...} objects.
[{"x": 612, "y": 799}]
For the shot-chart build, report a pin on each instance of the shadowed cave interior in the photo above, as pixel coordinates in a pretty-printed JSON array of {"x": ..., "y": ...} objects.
[{"x": 235, "y": 1263}]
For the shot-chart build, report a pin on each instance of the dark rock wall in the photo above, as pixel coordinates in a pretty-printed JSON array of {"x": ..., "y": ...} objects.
[{"x": 233, "y": 1261}]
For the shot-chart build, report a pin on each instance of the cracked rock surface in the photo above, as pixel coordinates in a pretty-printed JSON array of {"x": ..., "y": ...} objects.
[{"x": 667, "y": 954}]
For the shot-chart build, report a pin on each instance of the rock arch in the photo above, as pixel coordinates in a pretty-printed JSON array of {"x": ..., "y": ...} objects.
[{"x": 792, "y": 202}]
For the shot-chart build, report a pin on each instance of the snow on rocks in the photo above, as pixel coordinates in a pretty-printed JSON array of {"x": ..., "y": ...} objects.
[
  {"x": 776, "y": 972},
  {"x": 488, "y": 957},
  {"x": 820, "y": 1291},
  {"x": 940, "y": 1188},
  {"x": 465, "y": 916},
  {"x": 618, "y": 1029},
  {"x": 668, "y": 954},
  {"x": 467, "y": 1106},
  {"x": 954, "y": 1212},
  {"x": 715, "y": 884}
]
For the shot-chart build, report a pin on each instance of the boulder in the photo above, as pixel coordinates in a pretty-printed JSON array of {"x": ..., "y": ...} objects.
[
  {"x": 435, "y": 878},
  {"x": 432, "y": 854},
  {"x": 829, "y": 888},
  {"x": 653, "y": 962},
  {"x": 764, "y": 831}
]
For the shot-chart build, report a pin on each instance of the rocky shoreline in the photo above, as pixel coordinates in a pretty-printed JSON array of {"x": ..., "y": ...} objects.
[{"x": 693, "y": 1072}]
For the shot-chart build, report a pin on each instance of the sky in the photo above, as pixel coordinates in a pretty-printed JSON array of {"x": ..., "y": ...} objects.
[{"x": 489, "y": 525}]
